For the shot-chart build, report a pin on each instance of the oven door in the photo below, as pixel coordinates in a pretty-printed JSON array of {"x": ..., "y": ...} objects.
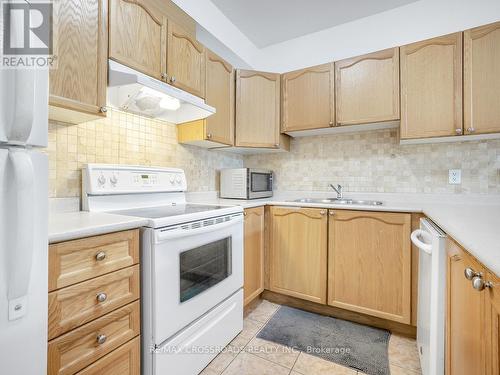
[
  {"x": 260, "y": 183},
  {"x": 196, "y": 266}
]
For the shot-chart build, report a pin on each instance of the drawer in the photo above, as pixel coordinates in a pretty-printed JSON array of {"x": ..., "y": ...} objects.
[
  {"x": 74, "y": 261},
  {"x": 79, "y": 348},
  {"x": 126, "y": 360},
  {"x": 78, "y": 304}
]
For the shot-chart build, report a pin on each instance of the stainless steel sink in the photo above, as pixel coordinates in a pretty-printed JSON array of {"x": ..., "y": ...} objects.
[{"x": 339, "y": 201}]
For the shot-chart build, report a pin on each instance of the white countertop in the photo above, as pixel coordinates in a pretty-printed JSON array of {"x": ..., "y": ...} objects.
[
  {"x": 73, "y": 225},
  {"x": 472, "y": 221}
]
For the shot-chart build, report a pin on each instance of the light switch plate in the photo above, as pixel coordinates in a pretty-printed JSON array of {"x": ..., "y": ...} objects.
[{"x": 455, "y": 176}]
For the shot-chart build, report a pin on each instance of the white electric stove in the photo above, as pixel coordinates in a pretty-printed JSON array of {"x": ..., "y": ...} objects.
[{"x": 191, "y": 264}]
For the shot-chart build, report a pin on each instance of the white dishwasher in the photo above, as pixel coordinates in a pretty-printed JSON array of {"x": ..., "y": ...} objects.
[{"x": 430, "y": 239}]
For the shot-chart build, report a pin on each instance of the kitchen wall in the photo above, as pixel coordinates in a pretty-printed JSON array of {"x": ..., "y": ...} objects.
[
  {"x": 375, "y": 162},
  {"x": 123, "y": 138}
]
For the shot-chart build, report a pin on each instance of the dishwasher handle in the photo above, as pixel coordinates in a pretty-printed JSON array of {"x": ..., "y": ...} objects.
[{"x": 426, "y": 236}]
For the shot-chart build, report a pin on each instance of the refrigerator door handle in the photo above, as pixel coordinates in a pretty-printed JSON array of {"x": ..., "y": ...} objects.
[{"x": 21, "y": 232}]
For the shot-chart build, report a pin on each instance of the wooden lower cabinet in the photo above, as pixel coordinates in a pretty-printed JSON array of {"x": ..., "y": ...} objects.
[
  {"x": 369, "y": 263},
  {"x": 492, "y": 322},
  {"x": 298, "y": 252},
  {"x": 123, "y": 361},
  {"x": 94, "y": 306},
  {"x": 254, "y": 254},
  {"x": 464, "y": 318}
]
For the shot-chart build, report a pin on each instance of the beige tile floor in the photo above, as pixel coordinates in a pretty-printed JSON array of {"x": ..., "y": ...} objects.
[{"x": 249, "y": 355}]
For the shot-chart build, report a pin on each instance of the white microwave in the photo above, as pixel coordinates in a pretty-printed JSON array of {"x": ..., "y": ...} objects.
[{"x": 246, "y": 183}]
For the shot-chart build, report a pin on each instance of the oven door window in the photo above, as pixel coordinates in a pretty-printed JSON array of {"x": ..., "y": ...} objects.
[
  {"x": 203, "y": 267},
  {"x": 260, "y": 182}
]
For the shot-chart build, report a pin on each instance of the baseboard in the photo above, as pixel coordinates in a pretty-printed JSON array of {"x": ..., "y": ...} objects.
[{"x": 400, "y": 328}]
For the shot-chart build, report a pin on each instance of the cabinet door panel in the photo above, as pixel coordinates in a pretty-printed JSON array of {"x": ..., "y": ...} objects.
[
  {"x": 186, "y": 61},
  {"x": 369, "y": 263},
  {"x": 254, "y": 253},
  {"x": 137, "y": 37},
  {"x": 220, "y": 95},
  {"x": 482, "y": 79},
  {"x": 464, "y": 322},
  {"x": 307, "y": 98},
  {"x": 492, "y": 324},
  {"x": 431, "y": 88},
  {"x": 298, "y": 252},
  {"x": 367, "y": 88},
  {"x": 257, "y": 109},
  {"x": 79, "y": 80}
]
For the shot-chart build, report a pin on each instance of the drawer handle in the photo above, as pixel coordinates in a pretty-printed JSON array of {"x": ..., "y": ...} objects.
[
  {"x": 101, "y": 339},
  {"x": 101, "y": 297},
  {"x": 100, "y": 256}
]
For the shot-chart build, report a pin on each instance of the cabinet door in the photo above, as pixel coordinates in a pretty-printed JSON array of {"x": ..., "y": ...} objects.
[
  {"x": 307, "y": 98},
  {"x": 298, "y": 252},
  {"x": 431, "y": 88},
  {"x": 492, "y": 325},
  {"x": 367, "y": 88},
  {"x": 369, "y": 263},
  {"x": 220, "y": 95},
  {"x": 254, "y": 253},
  {"x": 257, "y": 109},
  {"x": 482, "y": 79},
  {"x": 464, "y": 322},
  {"x": 137, "y": 37},
  {"x": 186, "y": 61},
  {"x": 78, "y": 83}
]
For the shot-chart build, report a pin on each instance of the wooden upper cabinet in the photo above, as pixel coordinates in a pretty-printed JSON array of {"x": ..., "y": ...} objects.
[
  {"x": 220, "y": 94},
  {"x": 482, "y": 79},
  {"x": 254, "y": 253},
  {"x": 257, "y": 109},
  {"x": 367, "y": 88},
  {"x": 431, "y": 88},
  {"x": 78, "y": 83},
  {"x": 137, "y": 37},
  {"x": 369, "y": 263},
  {"x": 298, "y": 252},
  {"x": 185, "y": 61},
  {"x": 464, "y": 316},
  {"x": 308, "y": 98}
]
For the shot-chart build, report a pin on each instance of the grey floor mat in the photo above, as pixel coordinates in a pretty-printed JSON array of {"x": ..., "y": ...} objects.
[{"x": 349, "y": 344}]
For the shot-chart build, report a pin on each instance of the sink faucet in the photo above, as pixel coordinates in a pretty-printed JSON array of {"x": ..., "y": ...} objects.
[{"x": 338, "y": 190}]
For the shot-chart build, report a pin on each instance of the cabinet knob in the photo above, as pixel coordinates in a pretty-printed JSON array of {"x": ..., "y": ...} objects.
[
  {"x": 103, "y": 110},
  {"x": 323, "y": 212},
  {"x": 479, "y": 284},
  {"x": 172, "y": 79},
  {"x": 101, "y": 297},
  {"x": 276, "y": 145},
  {"x": 209, "y": 135},
  {"x": 331, "y": 123},
  {"x": 164, "y": 76},
  {"x": 469, "y": 273},
  {"x": 458, "y": 131},
  {"x": 101, "y": 339},
  {"x": 100, "y": 256},
  {"x": 331, "y": 213},
  {"x": 471, "y": 130}
]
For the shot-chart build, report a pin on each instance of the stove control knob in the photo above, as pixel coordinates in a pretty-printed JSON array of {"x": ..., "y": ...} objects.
[
  {"x": 113, "y": 179},
  {"x": 178, "y": 179},
  {"x": 172, "y": 178},
  {"x": 101, "y": 180}
]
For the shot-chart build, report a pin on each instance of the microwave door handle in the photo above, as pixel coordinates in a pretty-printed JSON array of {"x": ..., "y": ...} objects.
[
  {"x": 168, "y": 235},
  {"x": 20, "y": 233}
]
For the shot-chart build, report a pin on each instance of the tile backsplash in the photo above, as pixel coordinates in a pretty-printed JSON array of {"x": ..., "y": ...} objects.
[
  {"x": 376, "y": 162},
  {"x": 123, "y": 138}
]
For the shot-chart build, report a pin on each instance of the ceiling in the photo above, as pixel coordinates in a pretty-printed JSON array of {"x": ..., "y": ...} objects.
[{"x": 267, "y": 22}]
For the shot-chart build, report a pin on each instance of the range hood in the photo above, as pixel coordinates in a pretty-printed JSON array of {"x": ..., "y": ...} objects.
[{"x": 132, "y": 91}]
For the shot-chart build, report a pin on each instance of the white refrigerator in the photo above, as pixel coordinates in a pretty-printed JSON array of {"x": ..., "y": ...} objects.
[{"x": 23, "y": 221}]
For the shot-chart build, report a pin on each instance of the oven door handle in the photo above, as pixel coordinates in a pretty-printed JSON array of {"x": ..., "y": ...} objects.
[{"x": 179, "y": 232}]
